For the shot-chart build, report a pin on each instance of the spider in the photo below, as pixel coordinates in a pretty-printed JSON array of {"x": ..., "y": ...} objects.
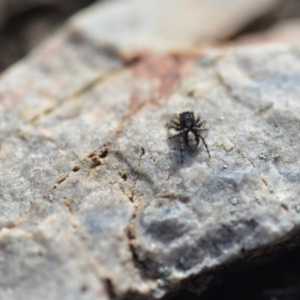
[{"x": 190, "y": 129}]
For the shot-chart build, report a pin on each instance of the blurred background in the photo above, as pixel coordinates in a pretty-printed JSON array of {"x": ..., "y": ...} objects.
[
  {"x": 26, "y": 23},
  {"x": 273, "y": 276}
]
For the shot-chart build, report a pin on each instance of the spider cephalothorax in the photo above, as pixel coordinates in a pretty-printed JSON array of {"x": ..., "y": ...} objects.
[{"x": 189, "y": 130}]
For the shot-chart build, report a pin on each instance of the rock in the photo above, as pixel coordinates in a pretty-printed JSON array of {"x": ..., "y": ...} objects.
[
  {"x": 95, "y": 201},
  {"x": 174, "y": 26},
  {"x": 202, "y": 215}
]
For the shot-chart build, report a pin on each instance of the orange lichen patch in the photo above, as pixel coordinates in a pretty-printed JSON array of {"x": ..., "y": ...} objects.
[
  {"x": 165, "y": 70},
  {"x": 14, "y": 95},
  {"x": 137, "y": 101},
  {"x": 156, "y": 76}
]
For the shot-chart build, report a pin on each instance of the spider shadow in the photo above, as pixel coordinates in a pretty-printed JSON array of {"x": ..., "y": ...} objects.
[{"x": 189, "y": 155}]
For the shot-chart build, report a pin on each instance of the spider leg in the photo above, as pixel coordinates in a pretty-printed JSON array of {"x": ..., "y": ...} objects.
[
  {"x": 175, "y": 119},
  {"x": 203, "y": 140},
  {"x": 179, "y": 133},
  {"x": 181, "y": 149},
  {"x": 198, "y": 121},
  {"x": 175, "y": 126},
  {"x": 199, "y": 128},
  {"x": 198, "y": 118},
  {"x": 174, "y": 123}
]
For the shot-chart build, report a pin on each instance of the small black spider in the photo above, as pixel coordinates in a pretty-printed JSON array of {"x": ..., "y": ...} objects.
[{"x": 190, "y": 129}]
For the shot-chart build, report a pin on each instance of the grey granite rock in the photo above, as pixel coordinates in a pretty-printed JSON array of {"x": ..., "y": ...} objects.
[{"x": 94, "y": 200}]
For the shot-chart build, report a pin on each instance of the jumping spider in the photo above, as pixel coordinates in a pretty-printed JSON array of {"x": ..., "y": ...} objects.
[{"x": 190, "y": 129}]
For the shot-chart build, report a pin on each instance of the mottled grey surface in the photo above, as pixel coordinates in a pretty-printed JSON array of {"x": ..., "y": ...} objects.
[
  {"x": 95, "y": 203},
  {"x": 209, "y": 211}
]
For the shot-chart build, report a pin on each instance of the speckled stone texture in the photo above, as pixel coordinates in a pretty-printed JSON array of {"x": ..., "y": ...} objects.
[{"x": 95, "y": 202}]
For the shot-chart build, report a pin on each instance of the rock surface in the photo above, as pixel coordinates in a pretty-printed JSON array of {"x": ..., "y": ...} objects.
[{"x": 95, "y": 203}]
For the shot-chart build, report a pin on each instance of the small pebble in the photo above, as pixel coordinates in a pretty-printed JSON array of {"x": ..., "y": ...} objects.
[
  {"x": 263, "y": 155},
  {"x": 234, "y": 201}
]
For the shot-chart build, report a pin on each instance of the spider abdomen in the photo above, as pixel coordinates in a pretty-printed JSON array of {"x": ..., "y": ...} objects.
[
  {"x": 189, "y": 130},
  {"x": 191, "y": 139}
]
